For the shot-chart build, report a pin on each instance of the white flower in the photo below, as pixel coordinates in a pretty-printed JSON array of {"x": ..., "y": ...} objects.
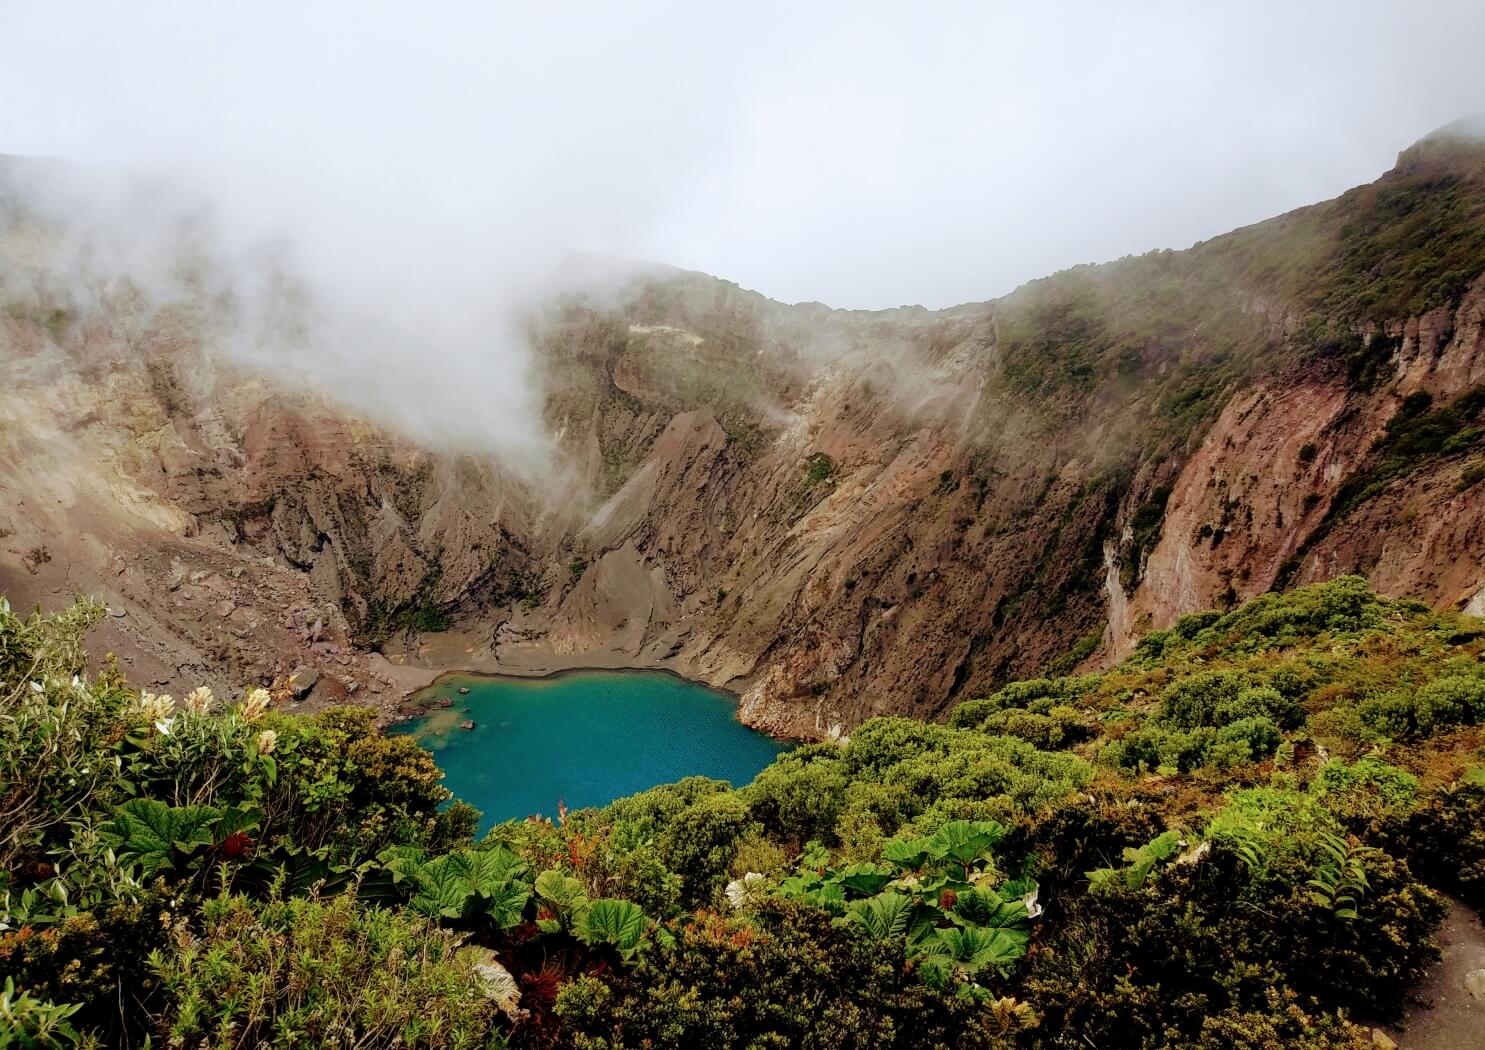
[
  {"x": 267, "y": 740},
  {"x": 743, "y": 891},
  {"x": 1033, "y": 909},
  {"x": 152, "y": 708},
  {"x": 199, "y": 700},
  {"x": 1196, "y": 854},
  {"x": 254, "y": 704}
]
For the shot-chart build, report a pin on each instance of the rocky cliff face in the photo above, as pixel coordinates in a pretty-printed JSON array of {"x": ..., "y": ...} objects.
[{"x": 836, "y": 514}]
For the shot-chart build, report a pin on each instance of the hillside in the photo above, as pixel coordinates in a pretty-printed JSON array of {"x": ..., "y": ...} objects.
[
  {"x": 1240, "y": 836},
  {"x": 835, "y": 514}
]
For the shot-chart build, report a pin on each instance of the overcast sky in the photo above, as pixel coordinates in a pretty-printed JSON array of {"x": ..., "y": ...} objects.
[{"x": 859, "y": 154}]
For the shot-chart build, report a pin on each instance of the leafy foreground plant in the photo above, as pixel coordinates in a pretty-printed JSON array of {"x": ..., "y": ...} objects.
[
  {"x": 311, "y": 973},
  {"x": 939, "y": 894},
  {"x": 1234, "y": 839}
]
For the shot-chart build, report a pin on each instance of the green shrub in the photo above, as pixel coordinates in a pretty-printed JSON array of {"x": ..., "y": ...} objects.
[
  {"x": 797, "y": 799},
  {"x": 1258, "y": 736},
  {"x": 1368, "y": 787},
  {"x": 1061, "y": 727},
  {"x": 1262, "y": 702},
  {"x": 724, "y": 983},
  {"x": 1440, "y": 704},
  {"x": 1253, "y": 906},
  {"x": 1196, "y": 700},
  {"x": 309, "y": 973},
  {"x": 700, "y": 842},
  {"x": 1445, "y": 837},
  {"x": 86, "y": 958},
  {"x": 28, "y": 1023},
  {"x": 1447, "y": 702}
]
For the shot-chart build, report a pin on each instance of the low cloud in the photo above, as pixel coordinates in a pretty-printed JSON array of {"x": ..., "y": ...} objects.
[{"x": 420, "y": 175}]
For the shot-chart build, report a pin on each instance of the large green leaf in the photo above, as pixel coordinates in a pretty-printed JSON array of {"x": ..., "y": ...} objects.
[
  {"x": 973, "y": 948},
  {"x": 392, "y": 877},
  {"x": 905, "y": 853},
  {"x": 884, "y": 916},
  {"x": 403, "y": 862},
  {"x": 488, "y": 868},
  {"x": 443, "y": 888},
  {"x": 964, "y": 840},
  {"x": 467, "y": 883},
  {"x": 800, "y": 886},
  {"x": 154, "y": 834},
  {"x": 563, "y": 894},
  {"x": 829, "y": 896},
  {"x": 865, "y": 879},
  {"x": 505, "y": 903},
  {"x": 990, "y": 909},
  {"x": 619, "y": 924}
]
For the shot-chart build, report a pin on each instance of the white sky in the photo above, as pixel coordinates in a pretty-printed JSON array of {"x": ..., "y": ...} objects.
[{"x": 855, "y": 153}]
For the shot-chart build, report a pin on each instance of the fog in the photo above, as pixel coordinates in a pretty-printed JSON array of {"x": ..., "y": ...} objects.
[{"x": 425, "y": 166}]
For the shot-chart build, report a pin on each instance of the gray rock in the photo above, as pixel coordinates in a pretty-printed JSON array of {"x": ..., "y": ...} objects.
[
  {"x": 1474, "y": 983},
  {"x": 305, "y": 679}
]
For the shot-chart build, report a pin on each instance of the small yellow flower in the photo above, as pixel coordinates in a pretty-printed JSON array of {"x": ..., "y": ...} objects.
[
  {"x": 267, "y": 741},
  {"x": 255, "y": 704},
  {"x": 199, "y": 700}
]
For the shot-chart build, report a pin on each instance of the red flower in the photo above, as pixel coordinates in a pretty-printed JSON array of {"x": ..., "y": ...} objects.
[
  {"x": 948, "y": 899},
  {"x": 237, "y": 846}
]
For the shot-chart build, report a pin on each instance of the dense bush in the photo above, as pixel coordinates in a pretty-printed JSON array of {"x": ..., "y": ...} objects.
[
  {"x": 309, "y": 973},
  {"x": 786, "y": 977},
  {"x": 1229, "y": 840}
]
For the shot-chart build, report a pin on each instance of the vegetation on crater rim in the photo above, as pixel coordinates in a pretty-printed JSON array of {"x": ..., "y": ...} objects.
[{"x": 1238, "y": 837}]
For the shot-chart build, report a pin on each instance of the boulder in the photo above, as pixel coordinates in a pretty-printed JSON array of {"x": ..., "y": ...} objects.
[
  {"x": 1474, "y": 983},
  {"x": 305, "y": 679}
]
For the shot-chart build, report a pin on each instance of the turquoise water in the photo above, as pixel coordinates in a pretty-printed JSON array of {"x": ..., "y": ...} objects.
[{"x": 584, "y": 738}]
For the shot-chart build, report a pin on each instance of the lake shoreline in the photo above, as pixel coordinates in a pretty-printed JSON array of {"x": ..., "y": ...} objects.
[
  {"x": 401, "y": 713},
  {"x": 516, "y": 745}
]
